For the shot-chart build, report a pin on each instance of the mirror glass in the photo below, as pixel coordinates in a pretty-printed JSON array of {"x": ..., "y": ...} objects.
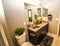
[
  {"x": 30, "y": 15},
  {"x": 39, "y": 11},
  {"x": 44, "y": 12}
]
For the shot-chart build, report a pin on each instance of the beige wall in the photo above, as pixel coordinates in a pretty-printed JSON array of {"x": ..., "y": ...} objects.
[
  {"x": 54, "y": 10},
  {"x": 14, "y": 13},
  {"x": 4, "y": 28}
]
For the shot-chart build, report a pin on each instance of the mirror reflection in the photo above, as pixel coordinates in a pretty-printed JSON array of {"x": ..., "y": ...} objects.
[
  {"x": 39, "y": 11},
  {"x": 30, "y": 15}
]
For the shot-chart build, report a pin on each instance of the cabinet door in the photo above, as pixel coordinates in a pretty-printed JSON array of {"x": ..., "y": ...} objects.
[
  {"x": 45, "y": 30},
  {"x": 39, "y": 32},
  {"x": 32, "y": 37}
]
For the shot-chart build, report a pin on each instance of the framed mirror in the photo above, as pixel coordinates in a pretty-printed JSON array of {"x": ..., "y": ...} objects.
[
  {"x": 30, "y": 15},
  {"x": 44, "y": 12},
  {"x": 39, "y": 11}
]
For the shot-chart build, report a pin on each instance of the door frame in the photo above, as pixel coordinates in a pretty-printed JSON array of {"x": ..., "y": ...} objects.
[{"x": 3, "y": 35}]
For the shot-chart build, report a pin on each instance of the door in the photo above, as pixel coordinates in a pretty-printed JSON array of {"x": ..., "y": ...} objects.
[{"x": 1, "y": 40}]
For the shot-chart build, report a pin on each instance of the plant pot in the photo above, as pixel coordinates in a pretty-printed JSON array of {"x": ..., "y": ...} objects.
[{"x": 21, "y": 39}]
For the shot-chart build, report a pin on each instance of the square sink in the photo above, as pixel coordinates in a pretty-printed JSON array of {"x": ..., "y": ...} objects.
[{"x": 35, "y": 26}]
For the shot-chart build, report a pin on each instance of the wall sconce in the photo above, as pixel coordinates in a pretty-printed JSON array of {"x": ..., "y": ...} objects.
[{"x": 49, "y": 17}]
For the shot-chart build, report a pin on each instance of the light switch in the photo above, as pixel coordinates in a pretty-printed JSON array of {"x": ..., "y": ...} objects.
[{"x": 56, "y": 19}]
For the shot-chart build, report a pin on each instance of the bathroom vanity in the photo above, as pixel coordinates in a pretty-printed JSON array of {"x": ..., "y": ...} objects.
[{"x": 38, "y": 33}]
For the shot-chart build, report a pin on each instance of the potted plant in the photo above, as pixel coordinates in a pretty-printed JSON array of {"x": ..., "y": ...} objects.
[
  {"x": 19, "y": 31},
  {"x": 20, "y": 35}
]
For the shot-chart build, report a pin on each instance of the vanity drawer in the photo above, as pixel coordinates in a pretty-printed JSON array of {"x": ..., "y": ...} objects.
[{"x": 31, "y": 34}]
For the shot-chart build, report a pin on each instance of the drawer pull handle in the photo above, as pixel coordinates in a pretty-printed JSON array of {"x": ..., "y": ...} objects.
[{"x": 31, "y": 34}]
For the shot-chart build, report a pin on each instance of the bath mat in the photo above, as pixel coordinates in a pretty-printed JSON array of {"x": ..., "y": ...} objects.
[{"x": 47, "y": 41}]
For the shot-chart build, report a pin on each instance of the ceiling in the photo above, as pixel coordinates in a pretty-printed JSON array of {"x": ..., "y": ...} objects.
[{"x": 46, "y": 1}]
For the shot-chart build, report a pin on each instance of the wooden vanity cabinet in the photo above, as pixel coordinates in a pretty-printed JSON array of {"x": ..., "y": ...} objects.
[{"x": 36, "y": 37}]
